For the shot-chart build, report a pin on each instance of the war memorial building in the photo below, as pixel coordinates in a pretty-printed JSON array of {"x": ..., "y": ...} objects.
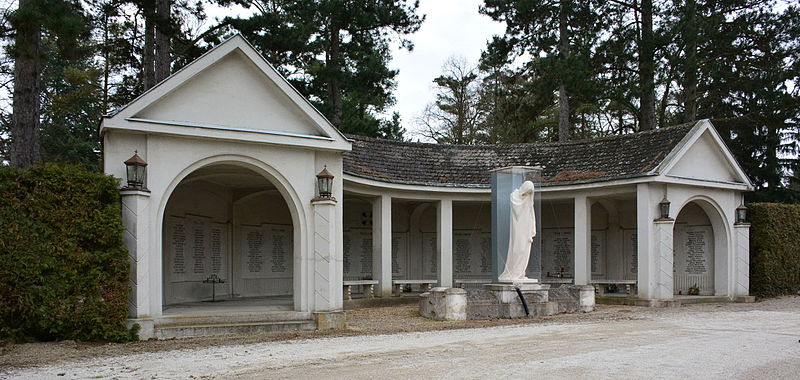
[{"x": 231, "y": 201}]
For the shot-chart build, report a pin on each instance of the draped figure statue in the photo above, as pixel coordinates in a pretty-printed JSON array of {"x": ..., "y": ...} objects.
[{"x": 523, "y": 229}]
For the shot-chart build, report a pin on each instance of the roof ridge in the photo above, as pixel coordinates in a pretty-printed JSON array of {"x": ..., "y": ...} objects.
[{"x": 530, "y": 144}]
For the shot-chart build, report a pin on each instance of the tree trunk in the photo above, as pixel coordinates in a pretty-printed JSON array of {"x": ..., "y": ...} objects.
[
  {"x": 26, "y": 106},
  {"x": 163, "y": 44},
  {"x": 563, "y": 51},
  {"x": 690, "y": 71},
  {"x": 647, "y": 69},
  {"x": 334, "y": 73},
  {"x": 148, "y": 55}
]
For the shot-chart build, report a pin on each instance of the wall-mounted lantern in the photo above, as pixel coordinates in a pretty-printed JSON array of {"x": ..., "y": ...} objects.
[
  {"x": 136, "y": 169},
  {"x": 741, "y": 214},
  {"x": 663, "y": 207},
  {"x": 325, "y": 183}
]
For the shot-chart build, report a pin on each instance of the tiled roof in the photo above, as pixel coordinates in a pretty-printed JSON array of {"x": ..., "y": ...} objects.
[{"x": 595, "y": 160}]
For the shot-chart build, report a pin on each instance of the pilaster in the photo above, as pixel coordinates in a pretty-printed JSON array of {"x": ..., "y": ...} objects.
[
  {"x": 583, "y": 240},
  {"x": 741, "y": 243},
  {"x": 665, "y": 285},
  {"x": 444, "y": 242},
  {"x": 327, "y": 259},
  {"x": 382, "y": 245},
  {"x": 136, "y": 237}
]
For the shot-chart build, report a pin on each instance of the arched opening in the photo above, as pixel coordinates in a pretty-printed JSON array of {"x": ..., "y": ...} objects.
[
  {"x": 227, "y": 228},
  {"x": 699, "y": 247}
]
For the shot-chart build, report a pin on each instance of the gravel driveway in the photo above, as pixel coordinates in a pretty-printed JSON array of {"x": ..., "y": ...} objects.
[{"x": 703, "y": 341}]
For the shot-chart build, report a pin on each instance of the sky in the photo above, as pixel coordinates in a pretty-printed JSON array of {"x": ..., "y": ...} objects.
[{"x": 451, "y": 27}]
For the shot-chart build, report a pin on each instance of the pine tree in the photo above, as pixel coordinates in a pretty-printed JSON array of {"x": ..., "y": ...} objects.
[{"x": 335, "y": 52}]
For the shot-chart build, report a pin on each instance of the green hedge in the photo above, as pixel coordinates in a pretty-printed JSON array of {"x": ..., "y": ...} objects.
[
  {"x": 774, "y": 249},
  {"x": 63, "y": 266}
]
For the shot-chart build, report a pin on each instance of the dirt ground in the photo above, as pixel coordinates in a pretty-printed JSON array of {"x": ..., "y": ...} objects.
[{"x": 367, "y": 321}]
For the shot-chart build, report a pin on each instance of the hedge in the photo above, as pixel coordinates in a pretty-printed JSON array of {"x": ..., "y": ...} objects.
[
  {"x": 63, "y": 266},
  {"x": 774, "y": 249}
]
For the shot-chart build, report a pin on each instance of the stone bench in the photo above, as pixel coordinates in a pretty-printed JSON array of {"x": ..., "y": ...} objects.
[
  {"x": 369, "y": 286},
  {"x": 464, "y": 282},
  {"x": 399, "y": 284},
  {"x": 600, "y": 285},
  {"x": 556, "y": 281}
]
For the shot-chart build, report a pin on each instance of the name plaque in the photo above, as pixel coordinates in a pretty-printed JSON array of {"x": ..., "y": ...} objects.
[
  {"x": 196, "y": 248},
  {"x": 267, "y": 251}
]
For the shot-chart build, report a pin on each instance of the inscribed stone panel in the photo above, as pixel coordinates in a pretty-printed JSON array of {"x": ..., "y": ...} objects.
[{"x": 558, "y": 245}]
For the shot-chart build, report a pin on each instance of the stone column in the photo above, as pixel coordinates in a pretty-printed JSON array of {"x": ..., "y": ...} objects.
[
  {"x": 741, "y": 243},
  {"x": 583, "y": 240},
  {"x": 327, "y": 260},
  {"x": 444, "y": 242},
  {"x": 645, "y": 214},
  {"x": 382, "y": 245},
  {"x": 136, "y": 236},
  {"x": 664, "y": 283}
]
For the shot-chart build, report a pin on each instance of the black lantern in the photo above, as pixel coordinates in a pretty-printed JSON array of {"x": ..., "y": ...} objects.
[
  {"x": 136, "y": 171},
  {"x": 325, "y": 183},
  {"x": 741, "y": 214},
  {"x": 663, "y": 206}
]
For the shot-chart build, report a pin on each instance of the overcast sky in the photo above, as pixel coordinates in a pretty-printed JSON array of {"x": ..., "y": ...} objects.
[{"x": 451, "y": 27}]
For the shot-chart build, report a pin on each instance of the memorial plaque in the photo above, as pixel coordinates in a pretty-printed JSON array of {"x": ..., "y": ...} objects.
[
  {"x": 598, "y": 252},
  {"x": 399, "y": 254},
  {"x": 430, "y": 256},
  {"x": 346, "y": 256},
  {"x": 176, "y": 228},
  {"x": 218, "y": 237},
  {"x": 199, "y": 248},
  {"x": 558, "y": 245},
  {"x": 486, "y": 253},
  {"x": 196, "y": 248},
  {"x": 357, "y": 254},
  {"x": 267, "y": 251},
  {"x": 694, "y": 261},
  {"x": 472, "y": 255},
  {"x": 365, "y": 250},
  {"x": 630, "y": 253},
  {"x": 253, "y": 247}
]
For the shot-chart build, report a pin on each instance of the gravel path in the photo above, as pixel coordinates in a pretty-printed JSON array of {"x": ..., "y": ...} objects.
[{"x": 704, "y": 341}]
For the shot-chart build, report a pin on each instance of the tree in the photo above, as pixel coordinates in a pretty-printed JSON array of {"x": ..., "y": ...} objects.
[
  {"x": 63, "y": 23},
  {"x": 455, "y": 116},
  {"x": 335, "y": 52},
  {"x": 560, "y": 39}
]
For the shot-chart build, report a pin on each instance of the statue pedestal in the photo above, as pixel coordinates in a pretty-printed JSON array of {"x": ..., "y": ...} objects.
[{"x": 507, "y": 293}]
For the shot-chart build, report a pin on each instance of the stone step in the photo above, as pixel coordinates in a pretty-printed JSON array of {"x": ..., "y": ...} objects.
[
  {"x": 217, "y": 329},
  {"x": 238, "y": 318}
]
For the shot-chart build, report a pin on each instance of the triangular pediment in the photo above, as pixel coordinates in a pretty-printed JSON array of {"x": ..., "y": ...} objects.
[
  {"x": 705, "y": 157},
  {"x": 233, "y": 93}
]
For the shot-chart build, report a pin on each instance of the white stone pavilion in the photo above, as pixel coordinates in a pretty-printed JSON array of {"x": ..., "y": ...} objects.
[{"x": 231, "y": 193}]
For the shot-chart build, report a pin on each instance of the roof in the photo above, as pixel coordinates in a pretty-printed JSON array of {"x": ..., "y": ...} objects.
[{"x": 575, "y": 162}]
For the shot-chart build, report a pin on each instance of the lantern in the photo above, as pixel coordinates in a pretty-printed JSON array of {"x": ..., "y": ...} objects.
[
  {"x": 325, "y": 183},
  {"x": 741, "y": 214},
  {"x": 136, "y": 171},
  {"x": 663, "y": 206}
]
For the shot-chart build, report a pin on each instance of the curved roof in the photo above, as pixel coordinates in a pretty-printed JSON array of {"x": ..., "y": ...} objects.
[{"x": 595, "y": 160}]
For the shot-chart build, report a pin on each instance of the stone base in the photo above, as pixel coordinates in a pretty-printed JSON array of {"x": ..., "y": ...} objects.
[
  {"x": 331, "y": 320},
  {"x": 517, "y": 282},
  {"x": 444, "y": 304},
  {"x": 502, "y": 301}
]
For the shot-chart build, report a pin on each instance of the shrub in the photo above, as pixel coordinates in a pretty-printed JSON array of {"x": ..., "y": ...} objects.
[
  {"x": 63, "y": 266},
  {"x": 774, "y": 249}
]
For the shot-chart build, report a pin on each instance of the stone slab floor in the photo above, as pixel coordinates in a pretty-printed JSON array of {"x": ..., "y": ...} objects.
[{"x": 752, "y": 341}]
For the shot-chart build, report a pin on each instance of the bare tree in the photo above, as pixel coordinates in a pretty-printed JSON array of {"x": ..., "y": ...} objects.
[{"x": 455, "y": 116}]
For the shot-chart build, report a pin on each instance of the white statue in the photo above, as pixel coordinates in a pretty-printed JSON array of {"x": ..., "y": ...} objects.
[{"x": 523, "y": 229}]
